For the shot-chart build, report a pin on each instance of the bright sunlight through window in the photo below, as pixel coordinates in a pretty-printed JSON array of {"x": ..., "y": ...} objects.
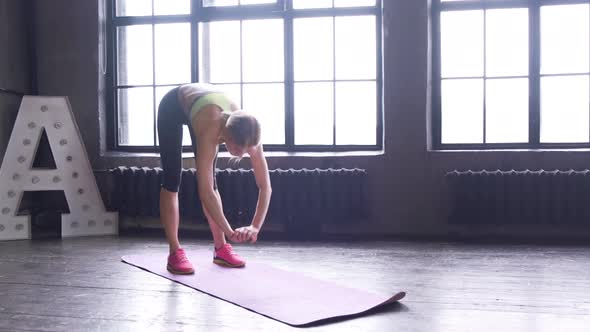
[
  {"x": 512, "y": 74},
  {"x": 311, "y": 74}
]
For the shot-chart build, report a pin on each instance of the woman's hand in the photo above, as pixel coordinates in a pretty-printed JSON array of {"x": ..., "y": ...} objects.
[{"x": 246, "y": 234}]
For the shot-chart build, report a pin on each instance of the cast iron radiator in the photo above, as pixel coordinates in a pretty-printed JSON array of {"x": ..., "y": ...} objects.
[
  {"x": 520, "y": 197},
  {"x": 301, "y": 198}
]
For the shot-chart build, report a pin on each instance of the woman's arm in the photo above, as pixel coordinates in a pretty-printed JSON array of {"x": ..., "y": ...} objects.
[
  {"x": 263, "y": 182},
  {"x": 261, "y": 174},
  {"x": 207, "y": 134}
]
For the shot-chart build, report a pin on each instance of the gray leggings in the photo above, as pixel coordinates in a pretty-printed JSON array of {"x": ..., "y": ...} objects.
[{"x": 171, "y": 118}]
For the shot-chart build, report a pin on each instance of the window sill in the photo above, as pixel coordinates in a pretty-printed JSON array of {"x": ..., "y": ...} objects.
[
  {"x": 566, "y": 150},
  {"x": 268, "y": 154},
  {"x": 278, "y": 154}
]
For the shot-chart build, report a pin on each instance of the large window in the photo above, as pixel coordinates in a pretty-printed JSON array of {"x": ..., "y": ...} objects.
[
  {"x": 511, "y": 74},
  {"x": 309, "y": 69}
]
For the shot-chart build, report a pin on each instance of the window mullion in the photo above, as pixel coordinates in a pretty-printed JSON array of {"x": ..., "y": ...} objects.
[
  {"x": 284, "y": 4},
  {"x": 155, "y": 127},
  {"x": 334, "y": 79},
  {"x": 195, "y": 5},
  {"x": 436, "y": 74},
  {"x": 485, "y": 13},
  {"x": 534, "y": 73},
  {"x": 112, "y": 93},
  {"x": 241, "y": 63},
  {"x": 289, "y": 80},
  {"x": 379, "y": 76}
]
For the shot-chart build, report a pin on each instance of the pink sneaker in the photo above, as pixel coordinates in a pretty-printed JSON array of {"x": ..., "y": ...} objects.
[
  {"x": 225, "y": 256},
  {"x": 178, "y": 263}
]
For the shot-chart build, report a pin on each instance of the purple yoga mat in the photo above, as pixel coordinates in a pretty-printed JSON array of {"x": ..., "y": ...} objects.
[{"x": 289, "y": 297}]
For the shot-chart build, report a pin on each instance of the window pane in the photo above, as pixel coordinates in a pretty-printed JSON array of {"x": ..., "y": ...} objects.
[
  {"x": 160, "y": 93},
  {"x": 507, "y": 110},
  {"x": 305, "y": 4},
  {"x": 356, "y": 47},
  {"x": 262, "y": 46},
  {"x": 220, "y": 52},
  {"x": 171, "y": 7},
  {"x": 136, "y": 116},
  {"x": 173, "y": 53},
  {"x": 256, "y": 2},
  {"x": 219, "y": 3},
  {"x": 564, "y": 39},
  {"x": 353, "y": 3},
  {"x": 462, "y": 43},
  {"x": 564, "y": 109},
  {"x": 507, "y": 42},
  {"x": 356, "y": 113},
  {"x": 313, "y": 48},
  {"x": 267, "y": 103},
  {"x": 134, "y": 55},
  {"x": 314, "y": 113},
  {"x": 462, "y": 111},
  {"x": 134, "y": 7}
]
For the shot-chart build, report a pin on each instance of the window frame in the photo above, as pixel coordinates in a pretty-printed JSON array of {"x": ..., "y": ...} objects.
[
  {"x": 282, "y": 9},
  {"x": 534, "y": 74}
]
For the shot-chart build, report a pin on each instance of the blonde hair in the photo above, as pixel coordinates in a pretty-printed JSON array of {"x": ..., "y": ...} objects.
[{"x": 243, "y": 128}]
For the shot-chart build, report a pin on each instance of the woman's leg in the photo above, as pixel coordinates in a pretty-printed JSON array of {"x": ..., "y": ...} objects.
[
  {"x": 218, "y": 235},
  {"x": 169, "y": 217},
  {"x": 170, "y": 138}
]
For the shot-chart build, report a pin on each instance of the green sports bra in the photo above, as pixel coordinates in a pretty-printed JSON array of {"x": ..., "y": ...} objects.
[{"x": 215, "y": 98}]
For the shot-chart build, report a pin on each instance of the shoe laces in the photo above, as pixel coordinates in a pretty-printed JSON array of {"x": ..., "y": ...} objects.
[
  {"x": 227, "y": 248},
  {"x": 181, "y": 256}
]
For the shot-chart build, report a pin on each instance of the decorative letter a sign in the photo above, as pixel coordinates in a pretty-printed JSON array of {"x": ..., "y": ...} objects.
[{"x": 73, "y": 174}]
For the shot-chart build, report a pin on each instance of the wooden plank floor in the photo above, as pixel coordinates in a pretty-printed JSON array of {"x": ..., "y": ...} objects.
[{"x": 81, "y": 285}]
